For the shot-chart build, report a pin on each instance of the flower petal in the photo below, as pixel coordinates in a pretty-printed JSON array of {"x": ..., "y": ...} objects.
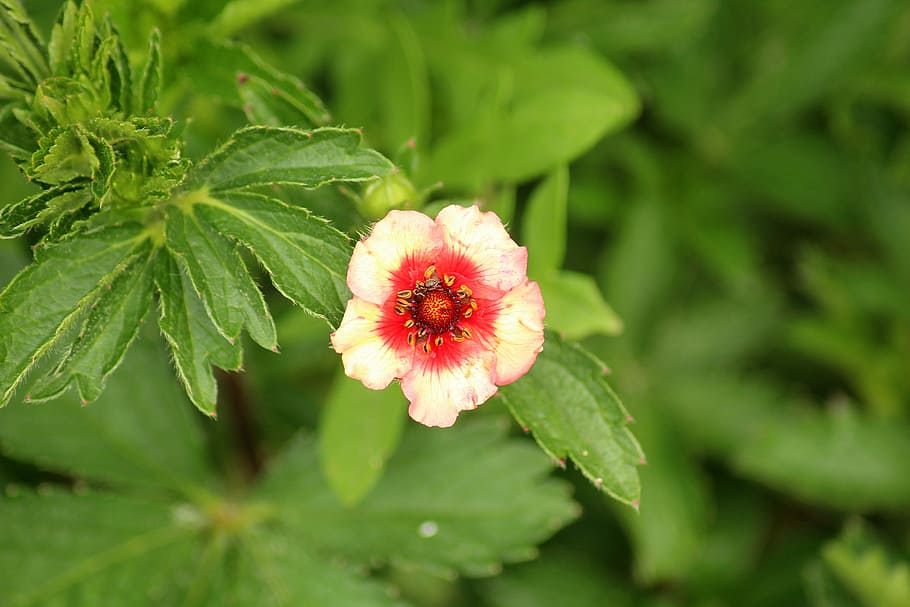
[
  {"x": 439, "y": 393},
  {"x": 366, "y": 355},
  {"x": 394, "y": 238},
  {"x": 482, "y": 239},
  {"x": 517, "y": 335}
]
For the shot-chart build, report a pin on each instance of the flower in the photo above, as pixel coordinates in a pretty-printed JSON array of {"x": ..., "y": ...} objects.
[{"x": 444, "y": 306}]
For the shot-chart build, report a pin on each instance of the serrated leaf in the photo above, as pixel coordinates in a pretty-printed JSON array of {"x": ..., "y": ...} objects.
[
  {"x": 566, "y": 403},
  {"x": 306, "y": 258},
  {"x": 360, "y": 430},
  {"x": 150, "y": 85},
  {"x": 136, "y": 547},
  {"x": 22, "y": 45},
  {"x": 132, "y": 436},
  {"x": 16, "y": 139},
  {"x": 18, "y": 217},
  {"x": 266, "y": 155},
  {"x": 116, "y": 70},
  {"x": 107, "y": 331},
  {"x": 465, "y": 499},
  {"x": 45, "y": 298},
  {"x": 231, "y": 298},
  {"x": 276, "y": 103},
  {"x": 575, "y": 306},
  {"x": 63, "y": 35},
  {"x": 865, "y": 568},
  {"x": 543, "y": 229},
  {"x": 68, "y": 156},
  {"x": 195, "y": 342}
]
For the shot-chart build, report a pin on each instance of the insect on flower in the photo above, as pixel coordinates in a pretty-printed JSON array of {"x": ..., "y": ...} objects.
[{"x": 445, "y": 306}]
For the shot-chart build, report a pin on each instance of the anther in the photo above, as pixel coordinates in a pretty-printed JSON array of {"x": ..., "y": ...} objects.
[
  {"x": 466, "y": 290},
  {"x": 468, "y": 313},
  {"x": 473, "y": 304},
  {"x": 422, "y": 332},
  {"x": 406, "y": 294},
  {"x": 449, "y": 280},
  {"x": 458, "y": 338},
  {"x": 438, "y": 341},
  {"x": 466, "y": 333},
  {"x": 402, "y": 302},
  {"x": 411, "y": 338},
  {"x": 399, "y": 310},
  {"x": 409, "y": 323},
  {"x": 426, "y": 347},
  {"x": 429, "y": 271}
]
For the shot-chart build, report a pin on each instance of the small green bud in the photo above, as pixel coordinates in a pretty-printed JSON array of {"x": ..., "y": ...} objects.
[{"x": 391, "y": 192}]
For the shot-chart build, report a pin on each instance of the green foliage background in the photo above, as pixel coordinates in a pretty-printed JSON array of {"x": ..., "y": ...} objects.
[{"x": 732, "y": 177}]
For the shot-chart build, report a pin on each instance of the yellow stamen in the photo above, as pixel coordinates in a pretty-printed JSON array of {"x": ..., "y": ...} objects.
[
  {"x": 449, "y": 280},
  {"x": 429, "y": 271},
  {"x": 406, "y": 294},
  {"x": 438, "y": 341},
  {"x": 409, "y": 323}
]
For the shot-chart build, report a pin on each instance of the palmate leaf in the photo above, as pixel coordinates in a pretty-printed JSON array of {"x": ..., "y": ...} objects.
[
  {"x": 566, "y": 403},
  {"x": 132, "y": 437},
  {"x": 173, "y": 541},
  {"x": 231, "y": 297},
  {"x": 45, "y": 300},
  {"x": 461, "y": 500}
]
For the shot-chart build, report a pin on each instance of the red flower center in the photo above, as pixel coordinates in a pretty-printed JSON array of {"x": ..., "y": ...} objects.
[
  {"x": 434, "y": 308},
  {"x": 437, "y": 310}
]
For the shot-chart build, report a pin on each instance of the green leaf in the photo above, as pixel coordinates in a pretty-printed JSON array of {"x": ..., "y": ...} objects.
[
  {"x": 18, "y": 217},
  {"x": 238, "y": 14},
  {"x": 65, "y": 156},
  {"x": 266, "y": 155},
  {"x": 107, "y": 331},
  {"x": 63, "y": 36},
  {"x": 566, "y": 403},
  {"x": 271, "y": 569},
  {"x": 865, "y": 568},
  {"x": 195, "y": 342},
  {"x": 668, "y": 532},
  {"x": 280, "y": 102},
  {"x": 150, "y": 84},
  {"x": 575, "y": 306},
  {"x": 360, "y": 430},
  {"x": 95, "y": 549},
  {"x": 564, "y": 101},
  {"x": 132, "y": 436},
  {"x": 218, "y": 273},
  {"x": 463, "y": 499},
  {"x": 22, "y": 46},
  {"x": 44, "y": 300},
  {"x": 306, "y": 258},
  {"x": 543, "y": 229},
  {"x": 841, "y": 458},
  {"x": 560, "y": 579}
]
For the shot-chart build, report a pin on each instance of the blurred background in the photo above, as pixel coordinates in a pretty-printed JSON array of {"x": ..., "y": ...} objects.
[{"x": 737, "y": 179}]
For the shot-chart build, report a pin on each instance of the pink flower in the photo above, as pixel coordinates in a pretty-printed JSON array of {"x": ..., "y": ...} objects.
[{"x": 444, "y": 306}]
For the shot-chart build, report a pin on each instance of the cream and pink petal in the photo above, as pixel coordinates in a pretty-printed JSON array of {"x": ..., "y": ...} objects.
[
  {"x": 394, "y": 238},
  {"x": 482, "y": 240},
  {"x": 366, "y": 355},
  {"x": 439, "y": 394},
  {"x": 517, "y": 335}
]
